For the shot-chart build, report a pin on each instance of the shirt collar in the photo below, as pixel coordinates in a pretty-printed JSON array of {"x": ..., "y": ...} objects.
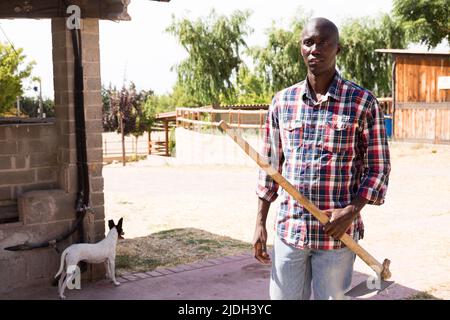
[{"x": 333, "y": 89}]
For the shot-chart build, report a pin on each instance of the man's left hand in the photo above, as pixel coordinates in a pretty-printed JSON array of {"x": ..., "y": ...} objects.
[{"x": 340, "y": 221}]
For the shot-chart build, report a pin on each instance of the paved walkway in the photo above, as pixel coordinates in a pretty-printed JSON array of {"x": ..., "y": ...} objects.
[{"x": 230, "y": 278}]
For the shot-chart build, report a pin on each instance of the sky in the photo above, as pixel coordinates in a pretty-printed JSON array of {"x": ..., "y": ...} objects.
[{"x": 141, "y": 51}]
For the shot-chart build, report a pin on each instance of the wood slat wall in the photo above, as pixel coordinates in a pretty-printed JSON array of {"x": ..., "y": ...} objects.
[
  {"x": 417, "y": 78},
  {"x": 422, "y": 112},
  {"x": 423, "y": 122}
]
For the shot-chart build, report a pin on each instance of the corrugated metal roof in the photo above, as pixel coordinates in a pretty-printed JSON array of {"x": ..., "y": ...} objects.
[{"x": 409, "y": 51}]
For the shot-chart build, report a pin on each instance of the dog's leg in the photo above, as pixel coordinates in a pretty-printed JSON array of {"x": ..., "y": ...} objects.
[
  {"x": 108, "y": 272},
  {"x": 67, "y": 278},
  {"x": 112, "y": 269},
  {"x": 60, "y": 284}
]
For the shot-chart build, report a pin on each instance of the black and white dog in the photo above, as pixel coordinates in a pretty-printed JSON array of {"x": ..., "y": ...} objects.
[{"x": 103, "y": 251}]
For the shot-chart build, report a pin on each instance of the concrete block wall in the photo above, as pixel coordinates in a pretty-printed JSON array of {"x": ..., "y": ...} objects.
[
  {"x": 28, "y": 160},
  {"x": 63, "y": 73},
  {"x": 46, "y": 214}
]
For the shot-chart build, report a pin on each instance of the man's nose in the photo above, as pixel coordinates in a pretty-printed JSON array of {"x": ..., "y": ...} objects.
[{"x": 315, "y": 49}]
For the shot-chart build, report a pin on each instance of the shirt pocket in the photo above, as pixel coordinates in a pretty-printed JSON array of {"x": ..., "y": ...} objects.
[
  {"x": 340, "y": 135},
  {"x": 293, "y": 134}
]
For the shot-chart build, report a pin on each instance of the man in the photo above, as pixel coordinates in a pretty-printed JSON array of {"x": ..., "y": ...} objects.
[{"x": 326, "y": 136}]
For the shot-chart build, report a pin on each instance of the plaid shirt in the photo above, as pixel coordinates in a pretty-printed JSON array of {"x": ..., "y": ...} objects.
[{"x": 331, "y": 151}]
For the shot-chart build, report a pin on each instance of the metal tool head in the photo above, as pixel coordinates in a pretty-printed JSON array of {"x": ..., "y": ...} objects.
[
  {"x": 374, "y": 284},
  {"x": 365, "y": 290}
]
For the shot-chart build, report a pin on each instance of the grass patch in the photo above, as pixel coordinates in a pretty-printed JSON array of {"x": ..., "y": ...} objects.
[
  {"x": 127, "y": 262},
  {"x": 134, "y": 158},
  {"x": 422, "y": 295},
  {"x": 172, "y": 247}
]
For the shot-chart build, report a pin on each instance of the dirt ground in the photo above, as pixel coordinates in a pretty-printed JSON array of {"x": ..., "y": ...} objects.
[{"x": 411, "y": 228}]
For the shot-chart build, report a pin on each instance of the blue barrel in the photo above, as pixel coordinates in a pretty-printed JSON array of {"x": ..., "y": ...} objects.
[{"x": 388, "y": 124}]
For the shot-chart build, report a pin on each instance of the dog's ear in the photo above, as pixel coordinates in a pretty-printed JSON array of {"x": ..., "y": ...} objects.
[
  {"x": 120, "y": 223},
  {"x": 111, "y": 224}
]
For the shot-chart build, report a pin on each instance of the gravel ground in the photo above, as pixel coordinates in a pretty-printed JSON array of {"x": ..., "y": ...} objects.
[{"x": 411, "y": 228}]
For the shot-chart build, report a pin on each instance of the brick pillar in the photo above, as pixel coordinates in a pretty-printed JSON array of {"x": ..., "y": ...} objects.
[{"x": 63, "y": 70}]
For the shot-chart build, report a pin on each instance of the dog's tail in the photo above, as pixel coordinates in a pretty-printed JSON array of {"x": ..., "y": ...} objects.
[{"x": 63, "y": 256}]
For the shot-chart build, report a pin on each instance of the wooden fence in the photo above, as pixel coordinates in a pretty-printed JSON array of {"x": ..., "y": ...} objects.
[
  {"x": 414, "y": 121},
  {"x": 194, "y": 118},
  {"x": 422, "y": 122},
  {"x": 386, "y": 105},
  {"x": 112, "y": 145},
  {"x": 245, "y": 119}
]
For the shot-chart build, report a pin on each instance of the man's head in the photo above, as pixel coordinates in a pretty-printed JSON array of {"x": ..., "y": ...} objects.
[{"x": 319, "y": 45}]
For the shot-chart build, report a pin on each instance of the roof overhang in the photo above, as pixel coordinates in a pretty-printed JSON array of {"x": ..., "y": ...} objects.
[
  {"x": 413, "y": 52},
  {"x": 45, "y": 9},
  {"x": 167, "y": 116}
]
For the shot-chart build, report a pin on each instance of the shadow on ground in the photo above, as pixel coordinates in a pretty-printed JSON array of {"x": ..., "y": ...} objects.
[
  {"x": 173, "y": 247},
  {"x": 185, "y": 264}
]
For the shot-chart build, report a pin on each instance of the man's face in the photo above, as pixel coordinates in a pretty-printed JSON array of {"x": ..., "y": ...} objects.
[{"x": 319, "y": 47}]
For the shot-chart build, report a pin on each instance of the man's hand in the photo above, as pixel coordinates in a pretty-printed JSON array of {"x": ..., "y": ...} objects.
[
  {"x": 340, "y": 221},
  {"x": 259, "y": 244},
  {"x": 260, "y": 237}
]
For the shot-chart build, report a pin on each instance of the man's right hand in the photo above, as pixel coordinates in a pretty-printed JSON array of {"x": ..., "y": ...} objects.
[{"x": 259, "y": 244}]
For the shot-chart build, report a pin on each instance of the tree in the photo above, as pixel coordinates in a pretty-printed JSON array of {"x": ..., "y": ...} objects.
[
  {"x": 156, "y": 104},
  {"x": 12, "y": 72},
  {"x": 279, "y": 63},
  {"x": 179, "y": 98},
  {"x": 358, "y": 60},
  {"x": 140, "y": 121},
  {"x": 426, "y": 21},
  {"x": 109, "y": 116},
  {"x": 251, "y": 89},
  {"x": 214, "y": 47},
  {"x": 123, "y": 105},
  {"x": 30, "y": 106}
]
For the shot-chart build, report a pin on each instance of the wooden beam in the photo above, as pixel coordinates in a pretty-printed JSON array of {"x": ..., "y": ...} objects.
[{"x": 46, "y": 9}]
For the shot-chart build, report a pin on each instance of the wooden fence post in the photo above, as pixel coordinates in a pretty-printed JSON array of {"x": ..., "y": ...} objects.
[
  {"x": 149, "y": 140},
  {"x": 166, "y": 128},
  {"x": 239, "y": 118}
]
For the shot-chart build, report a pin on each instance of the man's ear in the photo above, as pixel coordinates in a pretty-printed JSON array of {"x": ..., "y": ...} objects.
[
  {"x": 111, "y": 224},
  {"x": 338, "y": 49}
]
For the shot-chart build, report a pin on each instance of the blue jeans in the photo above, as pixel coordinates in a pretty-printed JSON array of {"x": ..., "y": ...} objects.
[{"x": 294, "y": 270}]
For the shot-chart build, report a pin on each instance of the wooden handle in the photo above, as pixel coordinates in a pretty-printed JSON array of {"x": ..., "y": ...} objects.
[{"x": 382, "y": 269}]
